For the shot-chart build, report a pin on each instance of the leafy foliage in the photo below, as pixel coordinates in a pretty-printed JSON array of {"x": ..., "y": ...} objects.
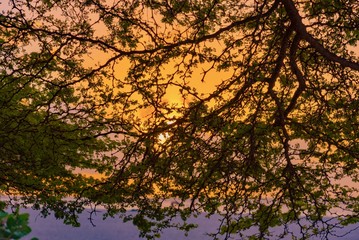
[
  {"x": 243, "y": 109},
  {"x": 14, "y": 225}
]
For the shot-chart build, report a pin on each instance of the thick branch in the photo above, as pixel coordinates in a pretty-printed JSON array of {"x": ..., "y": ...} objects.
[
  {"x": 298, "y": 75},
  {"x": 281, "y": 56},
  {"x": 300, "y": 28}
]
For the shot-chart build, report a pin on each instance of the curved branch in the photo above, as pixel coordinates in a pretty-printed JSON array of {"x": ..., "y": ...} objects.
[
  {"x": 281, "y": 56},
  {"x": 297, "y": 73},
  {"x": 279, "y": 63},
  {"x": 167, "y": 47},
  {"x": 300, "y": 28}
]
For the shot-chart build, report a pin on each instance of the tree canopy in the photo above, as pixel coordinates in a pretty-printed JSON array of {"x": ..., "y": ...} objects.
[{"x": 247, "y": 110}]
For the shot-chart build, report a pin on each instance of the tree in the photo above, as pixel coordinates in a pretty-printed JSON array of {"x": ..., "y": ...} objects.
[
  {"x": 46, "y": 132},
  {"x": 248, "y": 110}
]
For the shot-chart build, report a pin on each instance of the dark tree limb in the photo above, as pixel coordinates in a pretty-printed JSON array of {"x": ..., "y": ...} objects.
[
  {"x": 300, "y": 28},
  {"x": 298, "y": 75}
]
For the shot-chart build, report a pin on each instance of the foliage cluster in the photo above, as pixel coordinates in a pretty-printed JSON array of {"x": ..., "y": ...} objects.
[{"x": 14, "y": 225}]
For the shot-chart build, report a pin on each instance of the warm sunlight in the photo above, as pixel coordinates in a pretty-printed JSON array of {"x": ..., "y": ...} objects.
[{"x": 163, "y": 137}]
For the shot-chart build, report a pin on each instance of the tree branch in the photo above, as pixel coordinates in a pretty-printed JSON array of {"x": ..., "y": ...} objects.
[
  {"x": 300, "y": 28},
  {"x": 298, "y": 75}
]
